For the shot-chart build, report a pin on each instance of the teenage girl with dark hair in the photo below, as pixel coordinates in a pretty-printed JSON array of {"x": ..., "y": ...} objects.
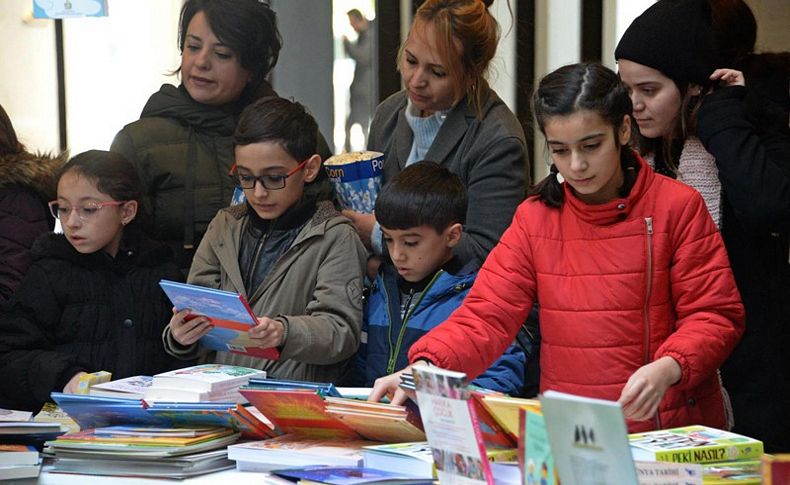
[
  {"x": 638, "y": 303},
  {"x": 90, "y": 300}
]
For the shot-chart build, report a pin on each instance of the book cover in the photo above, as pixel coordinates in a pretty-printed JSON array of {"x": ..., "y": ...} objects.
[
  {"x": 292, "y": 450},
  {"x": 414, "y": 458},
  {"x": 95, "y": 411},
  {"x": 666, "y": 473},
  {"x": 299, "y": 412},
  {"x": 229, "y": 313},
  {"x": 694, "y": 444},
  {"x": 377, "y": 421},
  {"x": 505, "y": 409},
  {"x": 334, "y": 475},
  {"x": 451, "y": 426},
  {"x": 325, "y": 389},
  {"x": 210, "y": 378},
  {"x": 776, "y": 469},
  {"x": 16, "y": 454},
  {"x": 537, "y": 460},
  {"x": 13, "y": 415},
  {"x": 108, "y": 436},
  {"x": 129, "y": 388},
  {"x": 494, "y": 435},
  {"x": 588, "y": 439}
]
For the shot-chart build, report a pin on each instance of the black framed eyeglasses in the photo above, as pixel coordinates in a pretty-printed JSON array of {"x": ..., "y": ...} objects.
[
  {"x": 269, "y": 182},
  {"x": 85, "y": 212}
]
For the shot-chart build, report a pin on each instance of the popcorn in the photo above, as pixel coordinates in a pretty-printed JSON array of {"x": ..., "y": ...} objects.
[{"x": 356, "y": 178}]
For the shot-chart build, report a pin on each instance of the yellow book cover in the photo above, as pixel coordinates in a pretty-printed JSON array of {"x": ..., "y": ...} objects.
[
  {"x": 693, "y": 444},
  {"x": 504, "y": 409}
]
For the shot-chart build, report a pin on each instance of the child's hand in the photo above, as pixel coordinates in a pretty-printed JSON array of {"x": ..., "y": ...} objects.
[
  {"x": 268, "y": 333},
  {"x": 187, "y": 332},
  {"x": 389, "y": 386},
  {"x": 364, "y": 224},
  {"x": 728, "y": 77},
  {"x": 646, "y": 387},
  {"x": 71, "y": 386}
]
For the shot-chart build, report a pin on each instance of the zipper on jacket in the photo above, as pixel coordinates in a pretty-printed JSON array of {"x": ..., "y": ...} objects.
[
  {"x": 646, "y": 309},
  {"x": 394, "y": 350},
  {"x": 258, "y": 248}
]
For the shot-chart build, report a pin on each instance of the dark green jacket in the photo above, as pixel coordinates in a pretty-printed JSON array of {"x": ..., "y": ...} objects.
[{"x": 184, "y": 150}]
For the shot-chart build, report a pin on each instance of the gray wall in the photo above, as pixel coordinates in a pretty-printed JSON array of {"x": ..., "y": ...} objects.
[{"x": 304, "y": 71}]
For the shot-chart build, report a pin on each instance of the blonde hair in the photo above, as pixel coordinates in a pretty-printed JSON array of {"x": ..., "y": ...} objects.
[{"x": 468, "y": 24}]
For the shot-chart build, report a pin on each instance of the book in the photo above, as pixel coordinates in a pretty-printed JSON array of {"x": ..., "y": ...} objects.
[
  {"x": 16, "y": 454},
  {"x": 694, "y": 444},
  {"x": 666, "y": 473},
  {"x": 128, "y": 388},
  {"x": 494, "y": 435},
  {"x": 338, "y": 475},
  {"x": 326, "y": 389},
  {"x": 174, "y": 467},
  {"x": 292, "y": 451},
  {"x": 96, "y": 411},
  {"x": 207, "y": 377},
  {"x": 229, "y": 314},
  {"x": 152, "y": 438},
  {"x": 19, "y": 471},
  {"x": 505, "y": 410},
  {"x": 51, "y": 413},
  {"x": 413, "y": 458},
  {"x": 166, "y": 394},
  {"x": 536, "y": 459},
  {"x": 14, "y": 415},
  {"x": 776, "y": 469},
  {"x": 227, "y": 415},
  {"x": 299, "y": 412},
  {"x": 588, "y": 439},
  {"x": 451, "y": 426},
  {"x": 377, "y": 421}
]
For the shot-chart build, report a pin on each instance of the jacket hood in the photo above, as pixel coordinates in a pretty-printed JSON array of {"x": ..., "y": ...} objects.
[
  {"x": 34, "y": 171},
  {"x": 175, "y": 102},
  {"x": 135, "y": 250}
]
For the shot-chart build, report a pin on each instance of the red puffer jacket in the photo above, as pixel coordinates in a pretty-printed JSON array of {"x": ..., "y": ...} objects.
[{"x": 620, "y": 284}]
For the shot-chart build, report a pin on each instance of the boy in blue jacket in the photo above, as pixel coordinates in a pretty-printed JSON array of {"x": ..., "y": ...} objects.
[{"x": 421, "y": 213}]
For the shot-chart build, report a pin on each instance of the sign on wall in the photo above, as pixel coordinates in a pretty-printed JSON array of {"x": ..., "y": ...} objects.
[{"x": 62, "y": 9}]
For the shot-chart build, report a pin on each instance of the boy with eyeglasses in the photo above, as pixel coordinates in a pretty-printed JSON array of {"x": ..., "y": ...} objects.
[{"x": 298, "y": 262}]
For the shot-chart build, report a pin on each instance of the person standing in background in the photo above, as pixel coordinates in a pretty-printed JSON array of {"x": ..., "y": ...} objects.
[
  {"x": 27, "y": 183},
  {"x": 362, "y": 90}
]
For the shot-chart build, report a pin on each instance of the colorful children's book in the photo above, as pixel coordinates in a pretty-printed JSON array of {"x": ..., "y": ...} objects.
[
  {"x": 292, "y": 451},
  {"x": 377, "y": 421},
  {"x": 14, "y": 455},
  {"x": 494, "y": 435},
  {"x": 335, "y": 475},
  {"x": 589, "y": 440},
  {"x": 325, "y": 389},
  {"x": 536, "y": 459},
  {"x": 694, "y": 444},
  {"x": 413, "y": 458},
  {"x": 95, "y": 411},
  {"x": 451, "y": 426},
  {"x": 743, "y": 472},
  {"x": 229, "y": 313},
  {"x": 504, "y": 409},
  {"x": 128, "y": 388},
  {"x": 210, "y": 378}
]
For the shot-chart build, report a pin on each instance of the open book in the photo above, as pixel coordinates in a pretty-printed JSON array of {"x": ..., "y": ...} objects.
[{"x": 228, "y": 312}]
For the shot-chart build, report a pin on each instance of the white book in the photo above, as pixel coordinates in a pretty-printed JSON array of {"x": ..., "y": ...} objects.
[
  {"x": 166, "y": 394},
  {"x": 129, "y": 387},
  {"x": 589, "y": 440},
  {"x": 293, "y": 451},
  {"x": 21, "y": 471},
  {"x": 207, "y": 377}
]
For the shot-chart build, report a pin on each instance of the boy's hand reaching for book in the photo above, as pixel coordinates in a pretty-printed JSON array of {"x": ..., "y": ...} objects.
[
  {"x": 268, "y": 333},
  {"x": 187, "y": 331},
  {"x": 646, "y": 387}
]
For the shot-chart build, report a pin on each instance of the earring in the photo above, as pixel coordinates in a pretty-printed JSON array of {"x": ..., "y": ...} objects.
[{"x": 560, "y": 178}]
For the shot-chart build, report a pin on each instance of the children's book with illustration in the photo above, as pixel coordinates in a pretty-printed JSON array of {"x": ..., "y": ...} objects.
[
  {"x": 202, "y": 383},
  {"x": 335, "y": 475},
  {"x": 694, "y": 444},
  {"x": 536, "y": 459},
  {"x": 589, "y": 440},
  {"x": 128, "y": 388},
  {"x": 96, "y": 411},
  {"x": 451, "y": 426},
  {"x": 228, "y": 312},
  {"x": 325, "y": 389},
  {"x": 413, "y": 458}
]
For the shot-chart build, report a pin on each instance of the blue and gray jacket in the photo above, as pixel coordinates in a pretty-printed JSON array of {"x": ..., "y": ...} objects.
[{"x": 387, "y": 335}]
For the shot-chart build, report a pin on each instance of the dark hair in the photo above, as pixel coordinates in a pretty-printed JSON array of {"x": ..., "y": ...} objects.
[
  {"x": 9, "y": 143},
  {"x": 581, "y": 87},
  {"x": 278, "y": 120},
  {"x": 423, "y": 194},
  {"x": 113, "y": 173},
  {"x": 469, "y": 23},
  {"x": 356, "y": 14},
  {"x": 247, "y": 27},
  {"x": 734, "y": 31}
]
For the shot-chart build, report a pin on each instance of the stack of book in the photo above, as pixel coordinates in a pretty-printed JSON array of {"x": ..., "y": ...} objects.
[
  {"x": 201, "y": 383},
  {"x": 294, "y": 451},
  {"x": 143, "y": 451},
  {"x": 18, "y": 461},
  {"x": 19, "y": 442}
]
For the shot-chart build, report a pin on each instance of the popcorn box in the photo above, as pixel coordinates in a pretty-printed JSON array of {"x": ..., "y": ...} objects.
[
  {"x": 356, "y": 178},
  {"x": 86, "y": 381}
]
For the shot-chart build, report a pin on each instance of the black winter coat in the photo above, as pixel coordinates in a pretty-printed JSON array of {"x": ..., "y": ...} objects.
[
  {"x": 84, "y": 312},
  {"x": 752, "y": 148}
]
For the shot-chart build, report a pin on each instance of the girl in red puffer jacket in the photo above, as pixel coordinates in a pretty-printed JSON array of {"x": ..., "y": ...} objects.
[{"x": 637, "y": 300}]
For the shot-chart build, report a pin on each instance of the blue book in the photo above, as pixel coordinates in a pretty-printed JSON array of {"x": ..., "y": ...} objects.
[
  {"x": 338, "y": 475},
  {"x": 324, "y": 389},
  {"x": 97, "y": 412},
  {"x": 229, "y": 314}
]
